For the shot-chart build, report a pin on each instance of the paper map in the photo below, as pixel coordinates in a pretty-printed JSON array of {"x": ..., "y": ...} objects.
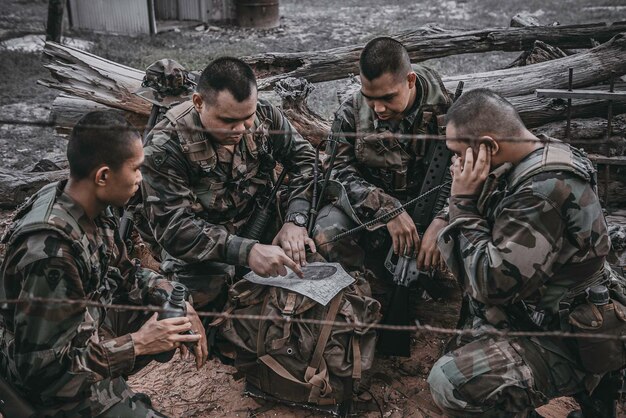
[{"x": 321, "y": 282}]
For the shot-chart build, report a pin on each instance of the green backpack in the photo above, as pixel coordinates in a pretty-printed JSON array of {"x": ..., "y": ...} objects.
[{"x": 302, "y": 363}]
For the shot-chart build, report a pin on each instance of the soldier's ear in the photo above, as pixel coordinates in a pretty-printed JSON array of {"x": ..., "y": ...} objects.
[
  {"x": 102, "y": 174},
  {"x": 412, "y": 79},
  {"x": 491, "y": 143},
  {"x": 198, "y": 101}
]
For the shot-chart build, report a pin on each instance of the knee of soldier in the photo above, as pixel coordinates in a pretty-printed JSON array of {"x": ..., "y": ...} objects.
[
  {"x": 330, "y": 221},
  {"x": 443, "y": 389}
]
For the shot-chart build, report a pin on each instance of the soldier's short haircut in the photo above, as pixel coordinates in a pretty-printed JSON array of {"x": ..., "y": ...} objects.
[
  {"x": 227, "y": 73},
  {"x": 99, "y": 138},
  {"x": 384, "y": 55},
  {"x": 482, "y": 112}
]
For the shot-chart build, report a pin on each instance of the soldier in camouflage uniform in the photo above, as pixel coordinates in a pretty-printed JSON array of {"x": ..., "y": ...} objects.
[
  {"x": 526, "y": 237},
  {"x": 208, "y": 164},
  {"x": 68, "y": 360},
  {"x": 374, "y": 172}
]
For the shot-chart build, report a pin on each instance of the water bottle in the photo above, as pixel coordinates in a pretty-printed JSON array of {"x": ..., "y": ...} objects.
[{"x": 175, "y": 307}]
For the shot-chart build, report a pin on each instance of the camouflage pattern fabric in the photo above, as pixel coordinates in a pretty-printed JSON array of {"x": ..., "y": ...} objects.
[
  {"x": 196, "y": 209},
  {"x": 56, "y": 353},
  {"x": 534, "y": 244},
  {"x": 496, "y": 377},
  {"x": 378, "y": 175}
]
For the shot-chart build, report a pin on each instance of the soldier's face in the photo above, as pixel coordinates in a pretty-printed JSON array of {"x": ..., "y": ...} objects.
[
  {"x": 122, "y": 183},
  {"x": 225, "y": 117},
  {"x": 389, "y": 95}
]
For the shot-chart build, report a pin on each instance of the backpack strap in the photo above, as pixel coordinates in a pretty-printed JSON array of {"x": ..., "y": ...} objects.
[
  {"x": 317, "y": 374},
  {"x": 39, "y": 214},
  {"x": 193, "y": 141}
]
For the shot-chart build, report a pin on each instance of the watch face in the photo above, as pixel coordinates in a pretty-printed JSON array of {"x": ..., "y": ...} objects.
[{"x": 299, "y": 219}]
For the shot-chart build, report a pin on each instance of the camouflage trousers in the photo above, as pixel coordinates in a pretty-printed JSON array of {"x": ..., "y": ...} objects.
[
  {"x": 114, "y": 396},
  {"x": 497, "y": 377}
]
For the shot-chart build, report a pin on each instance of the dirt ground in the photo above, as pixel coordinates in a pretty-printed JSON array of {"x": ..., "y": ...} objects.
[{"x": 397, "y": 385}]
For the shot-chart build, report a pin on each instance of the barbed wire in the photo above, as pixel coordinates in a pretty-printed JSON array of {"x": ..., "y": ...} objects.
[
  {"x": 357, "y": 325},
  {"x": 319, "y": 133}
]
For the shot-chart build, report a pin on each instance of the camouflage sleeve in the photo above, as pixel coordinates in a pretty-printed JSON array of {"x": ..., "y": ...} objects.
[
  {"x": 296, "y": 154},
  {"x": 136, "y": 284},
  {"x": 173, "y": 210},
  {"x": 507, "y": 261},
  {"x": 367, "y": 200},
  {"x": 57, "y": 350}
]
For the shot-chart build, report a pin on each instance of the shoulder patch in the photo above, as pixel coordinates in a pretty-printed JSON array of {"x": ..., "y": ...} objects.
[
  {"x": 53, "y": 277},
  {"x": 158, "y": 158}
]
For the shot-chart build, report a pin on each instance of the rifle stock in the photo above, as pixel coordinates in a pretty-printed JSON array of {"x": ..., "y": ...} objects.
[{"x": 398, "y": 343}]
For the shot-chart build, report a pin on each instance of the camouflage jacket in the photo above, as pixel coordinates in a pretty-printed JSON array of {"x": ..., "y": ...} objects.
[
  {"x": 54, "y": 352},
  {"x": 197, "y": 201},
  {"x": 535, "y": 237},
  {"x": 379, "y": 175}
]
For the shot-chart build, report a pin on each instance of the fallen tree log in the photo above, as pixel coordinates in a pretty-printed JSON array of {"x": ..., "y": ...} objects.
[
  {"x": 536, "y": 111},
  {"x": 294, "y": 93},
  {"x": 90, "y": 77},
  {"x": 17, "y": 186},
  {"x": 336, "y": 63},
  {"x": 590, "y": 67},
  {"x": 67, "y": 110},
  {"x": 590, "y": 134}
]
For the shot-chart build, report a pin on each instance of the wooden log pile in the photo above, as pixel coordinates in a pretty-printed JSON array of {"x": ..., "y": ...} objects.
[{"x": 89, "y": 82}]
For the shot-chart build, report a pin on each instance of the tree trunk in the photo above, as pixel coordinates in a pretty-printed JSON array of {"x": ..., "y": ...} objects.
[
  {"x": 85, "y": 75},
  {"x": 15, "y": 187},
  {"x": 54, "y": 28},
  {"x": 536, "y": 112},
  {"x": 590, "y": 67},
  {"x": 294, "y": 92},
  {"x": 336, "y": 63},
  {"x": 590, "y": 134},
  {"x": 67, "y": 110},
  {"x": 540, "y": 52},
  {"x": 94, "y": 78}
]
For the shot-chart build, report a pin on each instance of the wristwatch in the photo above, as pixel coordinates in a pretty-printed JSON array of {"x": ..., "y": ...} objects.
[{"x": 298, "y": 218}]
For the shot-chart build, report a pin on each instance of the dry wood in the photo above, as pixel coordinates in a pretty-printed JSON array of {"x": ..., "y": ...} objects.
[
  {"x": 294, "y": 92},
  {"x": 590, "y": 67},
  {"x": 336, "y": 63},
  {"x": 536, "y": 111},
  {"x": 99, "y": 80},
  {"x": 15, "y": 187},
  {"x": 540, "y": 52},
  {"x": 67, "y": 110},
  {"x": 590, "y": 134}
]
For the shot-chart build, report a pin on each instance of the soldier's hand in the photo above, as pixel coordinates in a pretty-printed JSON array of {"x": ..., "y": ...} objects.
[
  {"x": 156, "y": 337},
  {"x": 428, "y": 256},
  {"x": 201, "y": 350},
  {"x": 293, "y": 239},
  {"x": 271, "y": 260},
  {"x": 469, "y": 177},
  {"x": 403, "y": 234}
]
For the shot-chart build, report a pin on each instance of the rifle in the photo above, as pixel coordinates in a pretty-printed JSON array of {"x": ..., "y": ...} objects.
[
  {"x": 404, "y": 268},
  {"x": 256, "y": 228}
]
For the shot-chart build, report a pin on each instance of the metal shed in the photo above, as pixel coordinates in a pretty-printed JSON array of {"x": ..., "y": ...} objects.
[{"x": 144, "y": 16}]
